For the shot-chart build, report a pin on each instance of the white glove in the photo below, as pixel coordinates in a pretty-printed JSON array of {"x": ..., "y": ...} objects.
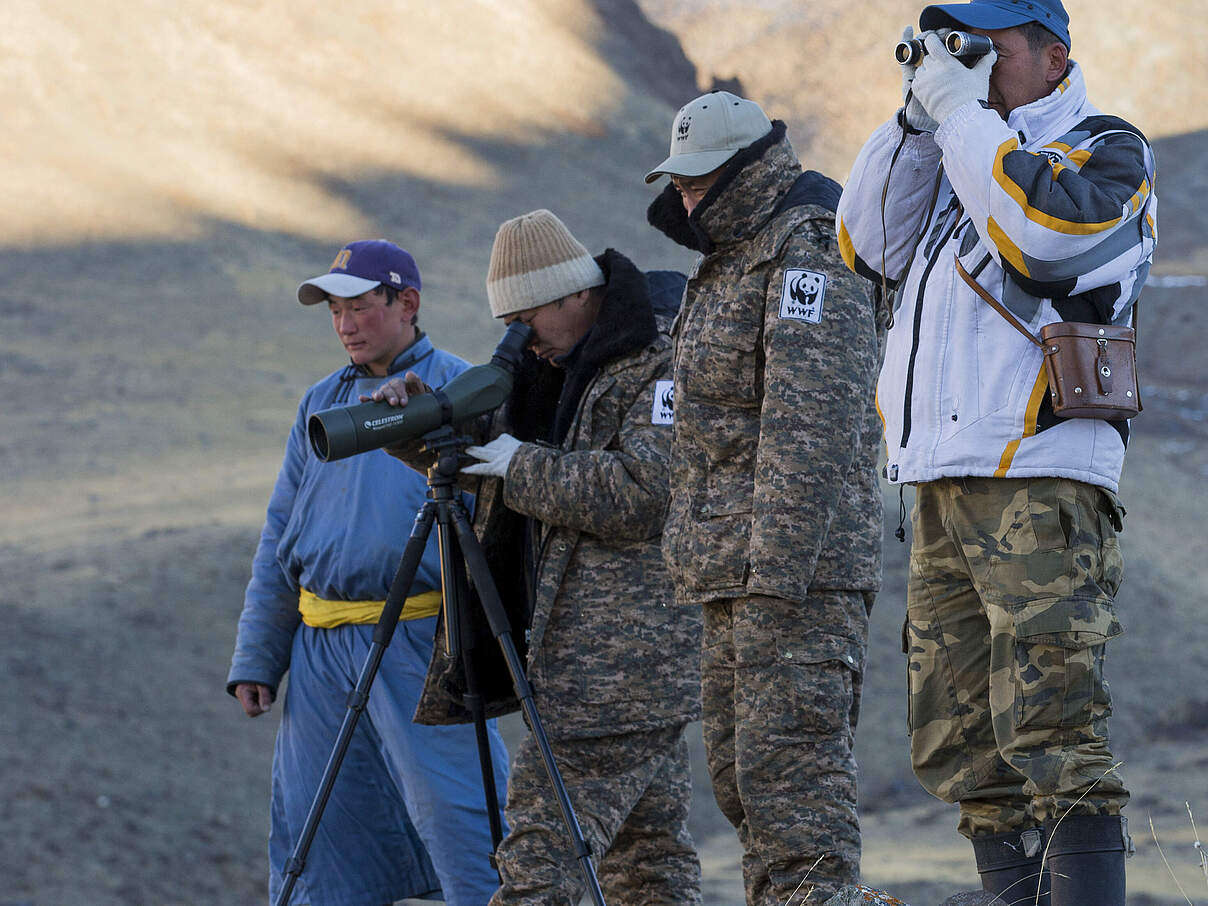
[
  {"x": 916, "y": 116},
  {"x": 943, "y": 83},
  {"x": 495, "y": 456}
]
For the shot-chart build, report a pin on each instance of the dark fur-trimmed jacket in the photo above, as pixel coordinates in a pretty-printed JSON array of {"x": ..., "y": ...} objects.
[
  {"x": 773, "y": 485},
  {"x": 607, "y": 649}
]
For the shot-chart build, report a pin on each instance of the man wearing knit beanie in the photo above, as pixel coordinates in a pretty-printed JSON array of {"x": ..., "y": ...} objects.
[{"x": 572, "y": 492}]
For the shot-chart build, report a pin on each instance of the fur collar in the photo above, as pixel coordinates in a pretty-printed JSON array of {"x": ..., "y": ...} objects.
[{"x": 667, "y": 214}]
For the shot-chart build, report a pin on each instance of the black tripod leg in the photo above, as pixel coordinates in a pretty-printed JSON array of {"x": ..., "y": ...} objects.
[
  {"x": 496, "y": 616},
  {"x": 359, "y": 696},
  {"x": 474, "y": 702},
  {"x": 459, "y": 643}
]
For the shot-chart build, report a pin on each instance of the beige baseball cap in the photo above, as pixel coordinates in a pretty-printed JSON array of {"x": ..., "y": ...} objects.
[{"x": 710, "y": 130}]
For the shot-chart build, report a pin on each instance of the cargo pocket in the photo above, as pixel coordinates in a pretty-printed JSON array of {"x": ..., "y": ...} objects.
[
  {"x": 821, "y": 674},
  {"x": 1058, "y": 670}
]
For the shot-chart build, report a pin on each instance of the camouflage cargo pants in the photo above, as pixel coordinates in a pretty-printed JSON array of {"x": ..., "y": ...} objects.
[
  {"x": 1009, "y": 605},
  {"x": 780, "y": 690},
  {"x": 630, "y": 794}
]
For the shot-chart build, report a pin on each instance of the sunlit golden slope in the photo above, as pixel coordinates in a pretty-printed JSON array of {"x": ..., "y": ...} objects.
[
  {"x": 148, "y": 118},
  {"x": 135, "y": 118},
  {"x": 825, "y": 66}
]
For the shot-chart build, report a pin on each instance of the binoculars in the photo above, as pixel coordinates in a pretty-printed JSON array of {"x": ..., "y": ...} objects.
[{"x": 968, "y": 48}]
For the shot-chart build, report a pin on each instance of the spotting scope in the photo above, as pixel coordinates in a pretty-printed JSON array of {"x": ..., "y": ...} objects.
[{"x": 347, "y": 430}]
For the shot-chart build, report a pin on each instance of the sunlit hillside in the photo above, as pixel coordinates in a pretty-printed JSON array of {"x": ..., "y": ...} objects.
[
  {"x": 152, "y": 118},
  {"x": 827, "y": 67}
]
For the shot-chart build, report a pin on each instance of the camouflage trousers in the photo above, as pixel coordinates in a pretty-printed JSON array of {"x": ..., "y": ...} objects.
[
  {"x": 630, "y": 794},
  {"x": 780, "y": 690},
  {"x": 1009, "y": 607}
]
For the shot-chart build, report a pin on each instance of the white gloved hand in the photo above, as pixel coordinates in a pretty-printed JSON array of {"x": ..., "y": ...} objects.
[
  {"x": 495, "y": 456},
  {"x": 943, "y": 83},
  {"x": 916, "y": 116}
]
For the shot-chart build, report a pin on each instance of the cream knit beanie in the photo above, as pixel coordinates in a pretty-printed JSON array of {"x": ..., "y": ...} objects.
[{"x": 536, "y": 260}]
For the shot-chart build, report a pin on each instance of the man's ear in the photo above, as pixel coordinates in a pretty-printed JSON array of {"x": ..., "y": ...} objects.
[
  {"x": 408, "y": 298},
  {"x": 1057, "y": 60}
]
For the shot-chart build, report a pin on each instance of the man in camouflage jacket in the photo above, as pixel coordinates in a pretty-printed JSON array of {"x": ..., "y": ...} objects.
[
  {"x": 775, "y": 520},
  {"x": 575, "y": 484}
]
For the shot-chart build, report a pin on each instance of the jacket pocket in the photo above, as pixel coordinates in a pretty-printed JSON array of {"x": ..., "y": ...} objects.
[
  {"x": 720, "y": 362},
  {"x": 716, "y": 533},
  {"x": 1057, "y": 666}
]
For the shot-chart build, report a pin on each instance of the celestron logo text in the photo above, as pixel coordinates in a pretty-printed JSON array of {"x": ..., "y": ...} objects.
[{"x": 373, "y": 423}]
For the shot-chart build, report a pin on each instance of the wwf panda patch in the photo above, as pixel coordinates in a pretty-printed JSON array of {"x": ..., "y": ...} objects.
[
  {"x": 663, "y": 412},
  {"x": 802, "y": 296}
]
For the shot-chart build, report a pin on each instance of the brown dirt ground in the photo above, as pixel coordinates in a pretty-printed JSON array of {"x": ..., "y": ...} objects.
[{"x": 171, "y": 175}]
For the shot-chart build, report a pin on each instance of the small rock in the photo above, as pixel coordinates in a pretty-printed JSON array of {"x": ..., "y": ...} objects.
[
  {"x": 973, "y": 898},
  {"x": 859, "y": 895}
]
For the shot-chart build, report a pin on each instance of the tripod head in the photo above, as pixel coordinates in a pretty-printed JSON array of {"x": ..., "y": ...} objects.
[{"x": 449, "y": 448}]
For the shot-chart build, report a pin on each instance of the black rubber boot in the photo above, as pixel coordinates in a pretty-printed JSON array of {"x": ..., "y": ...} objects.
[
  {"x": 1086, "y": 859},
  {"x": 1010, "y": 866}
]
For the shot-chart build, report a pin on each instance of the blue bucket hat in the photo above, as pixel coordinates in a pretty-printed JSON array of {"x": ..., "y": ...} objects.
[
  {"x": 359, "y": 267},
  {"x": 992, "y": 14}
]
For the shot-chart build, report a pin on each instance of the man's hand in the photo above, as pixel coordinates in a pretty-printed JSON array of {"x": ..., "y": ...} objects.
[
  {"x": 255, "y": 698},
  {"x": 495, "y": 456},
  {"x": 397, "y": 391},
  {"x": 916, "y": 116},
  {"x": 943, "y": 84}
]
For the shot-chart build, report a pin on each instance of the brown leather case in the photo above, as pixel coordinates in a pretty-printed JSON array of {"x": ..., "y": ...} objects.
[{"x": 1092, "y": 369}]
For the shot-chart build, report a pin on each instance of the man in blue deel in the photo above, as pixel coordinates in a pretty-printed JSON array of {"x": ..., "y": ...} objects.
[{"x": 407, "y": 816}]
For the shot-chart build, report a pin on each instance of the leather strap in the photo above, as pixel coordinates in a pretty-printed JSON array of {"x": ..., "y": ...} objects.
[{"x": 994, "y": 303}]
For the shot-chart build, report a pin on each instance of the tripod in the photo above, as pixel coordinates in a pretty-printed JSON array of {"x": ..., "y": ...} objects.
[{"x": 460, "y": 552}]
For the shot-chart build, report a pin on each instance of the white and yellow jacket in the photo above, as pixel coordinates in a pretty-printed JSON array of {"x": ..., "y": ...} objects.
[{"x": 1052, "y": 212}]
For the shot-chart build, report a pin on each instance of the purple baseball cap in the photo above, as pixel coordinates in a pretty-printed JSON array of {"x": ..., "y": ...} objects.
[
  {"x": 992, "y": 14},
  {"x": 359, "y": 267}
]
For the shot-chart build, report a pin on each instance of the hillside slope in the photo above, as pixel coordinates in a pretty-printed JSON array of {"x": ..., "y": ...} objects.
[{"x": 827, "y": 69}]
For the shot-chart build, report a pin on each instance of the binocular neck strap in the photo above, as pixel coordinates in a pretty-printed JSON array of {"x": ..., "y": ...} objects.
[{"x": 994, "y": 303}]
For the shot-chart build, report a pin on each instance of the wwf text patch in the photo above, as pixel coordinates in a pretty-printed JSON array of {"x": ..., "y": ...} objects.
[{"x": 801, "y": 298}]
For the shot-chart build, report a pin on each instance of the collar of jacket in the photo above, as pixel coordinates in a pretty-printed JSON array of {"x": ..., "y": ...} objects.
[
  {"x": 420, "y": 348},
  {"x": 739, "y": 204},
  {"x": 625, "y": 324},
  {"x": 1032, "y": 122}
]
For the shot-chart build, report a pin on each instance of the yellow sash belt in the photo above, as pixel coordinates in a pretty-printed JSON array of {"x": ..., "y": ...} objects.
[{"x": 324, "y": 614}]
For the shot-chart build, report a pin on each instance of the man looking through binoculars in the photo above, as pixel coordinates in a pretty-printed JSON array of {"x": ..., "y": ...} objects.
[
  {"x": 571, "y": 498},
  {"x": 1001, "y": 187}
]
